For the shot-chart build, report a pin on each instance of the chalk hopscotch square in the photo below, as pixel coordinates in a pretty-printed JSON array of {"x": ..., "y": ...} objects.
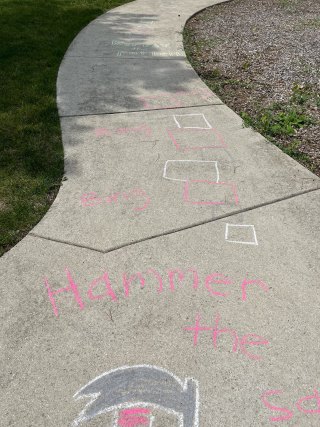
[
  {"x": 196, "y": 139},
  {"x": 188, "y": 170},
  {"x": 203, "y": 192},
  {"x": 191, "y": 121},
  {"x": 241, "y": 233}
]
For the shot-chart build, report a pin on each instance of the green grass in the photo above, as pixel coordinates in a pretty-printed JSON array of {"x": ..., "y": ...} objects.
[
  {"x": 278, "y": 122},
  {"x": 34, "y": 35}
]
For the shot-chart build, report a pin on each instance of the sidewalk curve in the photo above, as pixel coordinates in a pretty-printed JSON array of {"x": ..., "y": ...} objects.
[{"x": 175, "y": 279}]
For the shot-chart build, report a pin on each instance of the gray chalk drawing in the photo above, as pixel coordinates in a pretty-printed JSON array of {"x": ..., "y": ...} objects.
[{"x": 142, "y": 386}]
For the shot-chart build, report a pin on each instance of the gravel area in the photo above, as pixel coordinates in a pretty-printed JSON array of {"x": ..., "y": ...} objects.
[{"x": 260, "y": 55}]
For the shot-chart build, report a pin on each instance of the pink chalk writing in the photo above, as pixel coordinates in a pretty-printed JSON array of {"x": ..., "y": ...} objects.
[
  {"x": 217, "y": 278},
  {"x": 288, "y": 413},
  {"x": 301, "y": 405},
  {"x": 127, "y": 282},
  {"x": 71, "y": 288},
  {"x": 101, "y": 288},
  {"x": 172, "y": 274},
  {"x": 108, "y": 288},
  {"x": 105, "y": 132},
  {"x": 216, "y": 331},
  {"x": 136, "y": 196}
]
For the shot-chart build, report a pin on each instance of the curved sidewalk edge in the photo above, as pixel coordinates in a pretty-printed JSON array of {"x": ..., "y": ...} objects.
[{"x": 175, "y": 280}]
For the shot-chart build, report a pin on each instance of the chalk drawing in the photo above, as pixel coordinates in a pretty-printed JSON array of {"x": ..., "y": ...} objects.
[
  {"x": 215, "y": 170},
  {"x": 178, "y": 118},
  {"x": 189, "y": 139},
  {"x": 101, "y": 288},
  {"x": 239, "y": 343},
  {"x": 192, "y": 183},
  {"x": 286, "y": 411},
  {"x": 135, "y": 195},
  {"x": 99, "y": 132},
  {"x": 239, "y": 227},
  {"x": 133, "y": 417},
  {"x": 138, "y": 387},
  {"x": 287, "y": 414}
]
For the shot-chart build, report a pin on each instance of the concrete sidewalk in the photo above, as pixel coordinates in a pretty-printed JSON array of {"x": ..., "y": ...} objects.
[{"x": 175, "y": 279}]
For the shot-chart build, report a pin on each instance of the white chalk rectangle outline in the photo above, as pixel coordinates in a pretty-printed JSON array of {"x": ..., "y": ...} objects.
[
  {"x": 255, "y": 242},
  {"x": 194, "y": 161},
  {"x": 191, "y": 127}
]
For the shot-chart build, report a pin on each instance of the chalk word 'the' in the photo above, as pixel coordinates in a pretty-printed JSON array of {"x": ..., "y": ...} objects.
[
  {"x": 101, "y": 287},
  {"x": 137, "y": 197},
  {"x": 303, "y": 405},
  {"x": 238, "y": 343}
]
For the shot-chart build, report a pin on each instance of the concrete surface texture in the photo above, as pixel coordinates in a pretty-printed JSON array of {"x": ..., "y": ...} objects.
[{"x": 175, "y": 280}]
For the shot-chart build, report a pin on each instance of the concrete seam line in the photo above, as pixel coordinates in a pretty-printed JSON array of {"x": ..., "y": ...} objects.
[
  {"x": 140, "y": 111},
  {"x": 177, "y": 230}
]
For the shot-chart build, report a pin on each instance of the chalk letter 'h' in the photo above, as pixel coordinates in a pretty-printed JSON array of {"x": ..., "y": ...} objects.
[{"x": 71, "y": 288}]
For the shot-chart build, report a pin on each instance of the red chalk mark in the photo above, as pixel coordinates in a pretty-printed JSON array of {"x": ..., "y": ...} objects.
[
  {"x": 246, "y": 282},
  {"x": 127, "y": 282},
  {"x": 217, "y": 278},
  {"x": 71, "y": 288},
  {"x": 197, "y": 132},
  {"x": 186, "y": 193},
  {"x": 315, "y": 397},
  {"x": 90, "y": 199},
  {"x": 245, "y": 341},
  {"x": 196, "y": 329},
  {"x": 217, "y": 332},
  {"x": 276, "y": 408},
  {"x": 108, "y": 288},
  {"x": 181, "y": 276}
]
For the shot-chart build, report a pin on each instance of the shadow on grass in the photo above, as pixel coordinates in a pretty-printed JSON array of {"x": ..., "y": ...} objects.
[{"x": 34, "y": 37}]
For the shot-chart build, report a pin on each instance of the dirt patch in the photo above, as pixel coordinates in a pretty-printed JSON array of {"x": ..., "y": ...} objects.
[{"x": 262, "y": 59}]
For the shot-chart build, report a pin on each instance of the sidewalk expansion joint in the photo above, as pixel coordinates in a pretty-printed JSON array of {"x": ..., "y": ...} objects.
[
  {"x": 140, "y": 111},
  {"x": 65, "y": 242},
  {"x": 177, "y": 230}
]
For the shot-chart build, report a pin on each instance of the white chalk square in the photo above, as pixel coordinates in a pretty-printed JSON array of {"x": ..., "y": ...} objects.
[
  {"x": 190, "y": 170},
  {"x": 241, "y": 233},
  {"x": 191, "y": 121}
]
